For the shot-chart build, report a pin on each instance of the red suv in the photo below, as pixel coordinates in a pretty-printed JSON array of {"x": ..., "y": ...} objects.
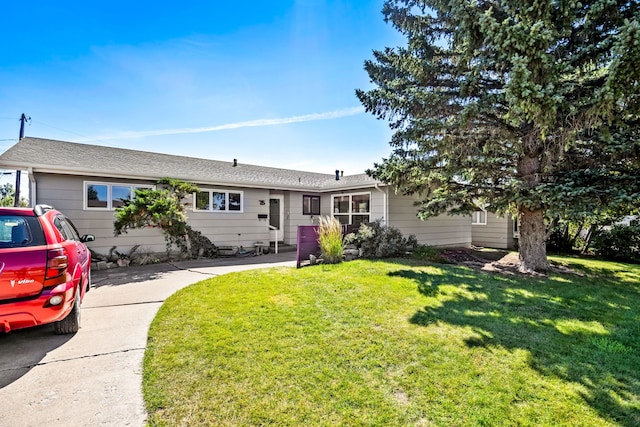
[{"x": 45, "y": 269}]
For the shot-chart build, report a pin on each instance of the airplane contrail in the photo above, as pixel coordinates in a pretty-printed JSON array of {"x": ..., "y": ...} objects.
[{"x": 251, "y": 123}]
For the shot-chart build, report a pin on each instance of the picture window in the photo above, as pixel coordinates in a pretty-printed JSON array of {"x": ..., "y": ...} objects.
[
  {"x": 106, "y": 196},
  {"x": 219, "y": 201}
]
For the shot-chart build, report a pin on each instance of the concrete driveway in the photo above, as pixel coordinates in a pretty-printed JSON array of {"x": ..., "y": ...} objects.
[{"x": 93, "y": 378}]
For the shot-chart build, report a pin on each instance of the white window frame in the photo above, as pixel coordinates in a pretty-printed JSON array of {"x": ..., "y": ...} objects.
[
  {"x": 110, "y": 185},
  {"x": 226, "y": 195},
  {"x": 351, "y": 213},
  {"x": 476, "y": 217}
]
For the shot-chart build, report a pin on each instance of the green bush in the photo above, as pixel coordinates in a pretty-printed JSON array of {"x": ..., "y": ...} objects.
[
  {"x": 330, "y": 240},
  {"x": 375, "y": 240},
  {"x": 621, "y": 242},
  {"x": 560, "y": 240}
]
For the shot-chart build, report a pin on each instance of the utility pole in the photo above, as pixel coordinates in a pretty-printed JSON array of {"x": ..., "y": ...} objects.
[{"x": 16, "y": 197}]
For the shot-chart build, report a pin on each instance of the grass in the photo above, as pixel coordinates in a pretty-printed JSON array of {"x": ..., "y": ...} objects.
[{"x": 399, "y": 343}]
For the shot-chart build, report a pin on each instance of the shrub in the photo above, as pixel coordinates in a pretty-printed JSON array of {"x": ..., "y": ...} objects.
[
  {"x": 378, "y": 241},
  {"x": 330, "y": 240},
  {"x": 621, "y": 242},
  {"x": 164, "y": 208},
  {"x": 559, "y": 240},
  {"x": 566, "y": 238}
]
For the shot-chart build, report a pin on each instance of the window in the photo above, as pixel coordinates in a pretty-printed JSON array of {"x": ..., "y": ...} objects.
[
  {"x": 66, "y": 228},
  {"x": 235, "y": 202},
  {"x": 479, "y": 218},
  {"x": 353, "y": 209},
  {"x": 119, "y": 194},
  {"x": 109, "y": 196},
  {"x": 218, "y": 201},
  {"x": 19, "y": 231},
  {"x": 311, "y": 205}
]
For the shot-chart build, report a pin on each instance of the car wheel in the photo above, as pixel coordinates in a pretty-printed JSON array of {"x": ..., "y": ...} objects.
[{"x": 71, "y": 323}]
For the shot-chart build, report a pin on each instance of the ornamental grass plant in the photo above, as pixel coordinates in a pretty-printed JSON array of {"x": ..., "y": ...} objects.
[{"x": 330, "y": 240}]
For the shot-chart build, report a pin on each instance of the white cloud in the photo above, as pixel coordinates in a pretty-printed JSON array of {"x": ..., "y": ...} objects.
[{"x": 251, "y": 123}]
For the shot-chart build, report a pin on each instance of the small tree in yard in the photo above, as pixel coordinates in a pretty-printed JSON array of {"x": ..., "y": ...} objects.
[
  {"x": 7, "y": 196},
  {"x": 163, "y": 208},
  {"x": 531, "y": 108}
]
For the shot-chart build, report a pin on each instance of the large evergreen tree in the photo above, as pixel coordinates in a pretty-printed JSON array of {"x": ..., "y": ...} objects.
[{"x": 517, "y": 105}]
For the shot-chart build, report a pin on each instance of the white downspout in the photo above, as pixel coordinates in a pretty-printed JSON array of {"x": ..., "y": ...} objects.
[
  {"x": 385, "y": 206},
  {"x": 32, "y": 188}
]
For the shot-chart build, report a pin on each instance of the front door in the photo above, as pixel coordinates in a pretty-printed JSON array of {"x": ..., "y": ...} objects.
[{"x": 276, "y": 218}]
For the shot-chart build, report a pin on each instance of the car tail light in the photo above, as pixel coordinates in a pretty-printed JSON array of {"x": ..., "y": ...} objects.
[{"x": 57, "y": 262}]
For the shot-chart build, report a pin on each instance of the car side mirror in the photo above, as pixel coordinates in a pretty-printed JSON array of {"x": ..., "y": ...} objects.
[{"x": 87, "y": 238}]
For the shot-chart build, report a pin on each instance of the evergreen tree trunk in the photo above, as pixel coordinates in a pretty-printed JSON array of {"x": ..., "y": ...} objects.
[
  {"x": 532, "y": 242},
  {"x": 533, "y": 234}
]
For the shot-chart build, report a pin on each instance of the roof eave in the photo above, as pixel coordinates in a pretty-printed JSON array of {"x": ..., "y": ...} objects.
[
  {"x": 105, "y": 174},
  {"x": 351, "y": 187}
]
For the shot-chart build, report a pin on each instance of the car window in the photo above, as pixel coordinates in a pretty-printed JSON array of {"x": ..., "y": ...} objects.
[
  {"x": 67, "y": 230},
  {"x": 70, "y": 229},
  {"x": 73, "y": 228},
  {"x": 59, "y": 224},
  {"x": 18, "y": 231}
]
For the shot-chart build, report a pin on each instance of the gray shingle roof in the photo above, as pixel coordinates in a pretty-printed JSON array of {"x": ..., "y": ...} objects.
[{"x": 46, "y": 155}]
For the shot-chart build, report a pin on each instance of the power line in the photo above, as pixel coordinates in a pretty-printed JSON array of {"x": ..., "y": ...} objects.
[
  {"x": 57, "y": 128},
  {"x": 72, "y": 132},
  {"x": 89, "y": 138}
]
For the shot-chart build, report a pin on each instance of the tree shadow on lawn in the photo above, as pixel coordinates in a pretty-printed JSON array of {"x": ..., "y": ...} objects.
[
  {"x": 580, "y": 330},
  {"x": 628, "y": 272}
]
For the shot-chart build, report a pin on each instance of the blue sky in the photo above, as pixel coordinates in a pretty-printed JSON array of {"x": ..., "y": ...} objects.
[{"x": 267, "y": 82}]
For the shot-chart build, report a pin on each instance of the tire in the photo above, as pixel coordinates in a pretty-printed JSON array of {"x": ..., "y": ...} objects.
[
  {"x": 88, "y": 287},
  {"x": 71, "y": 323}
]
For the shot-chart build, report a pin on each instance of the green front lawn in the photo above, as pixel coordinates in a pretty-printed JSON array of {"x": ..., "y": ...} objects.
[{"x": 399, "y": 344}]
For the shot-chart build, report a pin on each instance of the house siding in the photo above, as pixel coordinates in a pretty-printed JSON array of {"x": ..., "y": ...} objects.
[
  {"x": 497, "y": 233},
  {"x": 441, "y": 231},
  {"x": 66, "y": 193},
  {"x": 234, "y": 228},
  {"x": 294, "y": 216}
]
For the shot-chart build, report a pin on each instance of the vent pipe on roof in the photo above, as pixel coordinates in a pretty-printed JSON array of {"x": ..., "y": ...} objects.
[
  {"x": 341, "y": 174},
  {"x": 337, "y": 175},
  {"x": 235, "y": 162}
]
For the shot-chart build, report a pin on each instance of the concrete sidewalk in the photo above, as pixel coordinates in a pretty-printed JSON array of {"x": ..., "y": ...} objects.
[{"x": 93, "y": 378}]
